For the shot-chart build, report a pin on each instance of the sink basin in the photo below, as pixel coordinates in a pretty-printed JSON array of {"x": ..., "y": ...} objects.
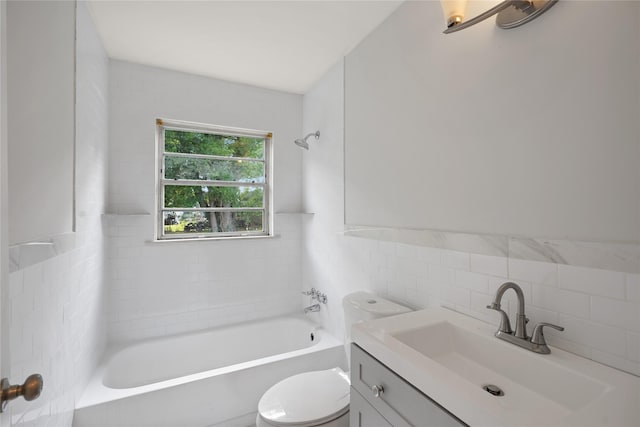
[{"x": 451, "y": 358}]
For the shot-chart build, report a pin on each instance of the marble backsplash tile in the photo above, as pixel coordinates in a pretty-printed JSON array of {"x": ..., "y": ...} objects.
[{"x": 623, "y": 257}]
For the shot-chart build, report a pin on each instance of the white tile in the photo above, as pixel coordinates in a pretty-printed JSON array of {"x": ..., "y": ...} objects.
[
  {"x": 441, "y": 274},
  {"x": 455, "y": 259},
  {"x": 495, "y": 266},
  {"x": 461, "y": 297},
  {"x": 407, "y": 251},
  {"x": 543, "y": 273},
  {"x": 592, "y": 281},
  {"x": 557, "y": 340},
  {"x": 561, "y": 301},
  {"x": 633, "y": 287},
  {"x": 616, "y": 361},
  {"x": 600, "y": 337},
  {"x": 417, "y": 298},
  {"x": 16, "y": 281},
  {"x": 633, "y": 346},
  {"x": 625, "y": 315},
  {"x": 537, "y": 315},
  {"x": 431, "y": 256},
  {"x": 479, "y": 305},
  {"x": 472, "y": 281}
]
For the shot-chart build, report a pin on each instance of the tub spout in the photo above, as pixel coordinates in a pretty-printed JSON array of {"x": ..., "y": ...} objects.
[{"x": 312, "y": 308}]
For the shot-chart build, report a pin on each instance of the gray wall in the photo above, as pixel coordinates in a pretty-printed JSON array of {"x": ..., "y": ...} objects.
[
  {"x": 41, "y": 97},
  {"x": 526, "y": 132}
]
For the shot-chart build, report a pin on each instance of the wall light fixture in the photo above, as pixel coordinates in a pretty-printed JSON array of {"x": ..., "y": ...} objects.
[{"x": 511, "y": 13}]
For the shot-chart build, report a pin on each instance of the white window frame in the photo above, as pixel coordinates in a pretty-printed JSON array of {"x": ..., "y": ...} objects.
[{"x": 161, "y": 182}]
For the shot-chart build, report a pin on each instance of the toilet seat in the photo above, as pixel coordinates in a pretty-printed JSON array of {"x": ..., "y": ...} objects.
[{"x": 307, "y": 399}]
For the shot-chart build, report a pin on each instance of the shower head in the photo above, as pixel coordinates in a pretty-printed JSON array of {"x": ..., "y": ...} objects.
[{"x": 302, "y": 142}]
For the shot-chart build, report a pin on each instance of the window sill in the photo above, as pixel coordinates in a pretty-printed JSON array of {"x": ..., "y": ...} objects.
[
  {"x": 295, "y": 213},
  {"x": 115, "y": 215},
  {"x": 209, "y": 239}
]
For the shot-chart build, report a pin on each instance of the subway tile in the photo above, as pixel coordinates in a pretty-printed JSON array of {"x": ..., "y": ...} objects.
[
  {"x": 625, "y": 315},
  {"x": 616, "y": 361},
  {"x": 557, "y": 340},
  {"x": 478, "y": 303},
  {"x": 456, "y": 296},
  {"x": 537, "y": 315},
  {"x": 600, "y": 337},
  {"x": 432, "y": 256},
  {"x": 472, "y": 281},
  {"x": 492, "y": 265},
  {"x": 417, "y": 299},
  {"x": 592, "y": 281},
  {"x": 455, "y": 259},
  {"x": 561, "y": 301},
  {"x": 633, "y": 346},
  {"x": 633, "y": 287},
  {"x": 16, "y": 282},
  {"x": 407, "y": 251},
  {"x": 543, "y": 273},
  {"x": 441, "y": 274}
]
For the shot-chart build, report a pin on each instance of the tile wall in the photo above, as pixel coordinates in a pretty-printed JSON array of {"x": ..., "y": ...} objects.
[
  {"x": 55, "y": 309},
  {"x": 600, "y": 309},
  {"x": 158, "y": 289},
  {"x": 162, "y": 288}
]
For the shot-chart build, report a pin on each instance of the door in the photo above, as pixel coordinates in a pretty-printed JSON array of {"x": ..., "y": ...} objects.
[{"x": 4, "y": 229}]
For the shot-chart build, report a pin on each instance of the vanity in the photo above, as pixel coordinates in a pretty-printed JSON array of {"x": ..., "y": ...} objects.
[
  {"x": 437, "y": 367},
  {"x": 381, "y": 398}
]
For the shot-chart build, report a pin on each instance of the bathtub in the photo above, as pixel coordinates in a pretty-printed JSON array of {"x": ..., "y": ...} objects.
[{"x": 205, "y": 378}]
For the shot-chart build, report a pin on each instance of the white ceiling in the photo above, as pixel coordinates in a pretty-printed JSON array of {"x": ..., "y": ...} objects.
[{"x": 284, "y": 45}]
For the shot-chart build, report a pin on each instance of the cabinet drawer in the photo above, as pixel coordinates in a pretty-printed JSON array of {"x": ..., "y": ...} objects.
[
  {"x": 362, "y": 414},
  {"x": 398, "y": 401}
]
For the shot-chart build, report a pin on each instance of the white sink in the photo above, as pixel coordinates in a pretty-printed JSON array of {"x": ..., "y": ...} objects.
[{"x": 450, "y": 357}]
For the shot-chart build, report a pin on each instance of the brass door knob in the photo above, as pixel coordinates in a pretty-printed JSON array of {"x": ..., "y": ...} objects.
[{"x": 30, "y": 390}]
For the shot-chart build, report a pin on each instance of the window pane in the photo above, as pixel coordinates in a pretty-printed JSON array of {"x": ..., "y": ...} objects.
[
  {"x": 176, "y": 141},
  {"x": 177, "y": 222},
  {"x": 214, "y": 170},
  {"x": 188, "y": 196}
]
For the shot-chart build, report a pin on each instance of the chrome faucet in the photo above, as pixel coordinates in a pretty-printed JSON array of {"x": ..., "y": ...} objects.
[
  {"x": 521, "y": 319},
  {"x": 315, "y": 296},
  {"x": 519, "y": 337},
  {"x": 312, "y": 308}
]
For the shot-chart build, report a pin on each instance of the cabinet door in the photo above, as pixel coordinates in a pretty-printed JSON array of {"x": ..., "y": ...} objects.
[
  {"x": 395, "y": 399},
  {"x": 361, "y": 414}
]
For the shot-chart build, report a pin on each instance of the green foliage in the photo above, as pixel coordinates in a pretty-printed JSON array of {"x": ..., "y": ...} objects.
[
  {"x": 176, "y": 141},
  {"x": 232, "y": 147}
]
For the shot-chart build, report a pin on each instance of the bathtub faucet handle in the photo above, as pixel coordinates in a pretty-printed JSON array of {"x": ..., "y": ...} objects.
[
  {"x": 320, "y": 297},
  {"x": 316, "y": 295}
]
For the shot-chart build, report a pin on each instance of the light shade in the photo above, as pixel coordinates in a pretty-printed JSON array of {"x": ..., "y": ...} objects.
[
  {"x": 510, "y": 13},
  {"x": 453, "y": 11}
]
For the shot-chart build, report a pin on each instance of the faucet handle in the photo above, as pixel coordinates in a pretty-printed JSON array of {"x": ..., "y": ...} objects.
[
  {"x": 505, "y": 325},
  {"x": 537, "y": 337}
]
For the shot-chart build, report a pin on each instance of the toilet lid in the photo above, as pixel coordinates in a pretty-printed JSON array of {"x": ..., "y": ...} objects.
[{"x": 306, "y": 399}]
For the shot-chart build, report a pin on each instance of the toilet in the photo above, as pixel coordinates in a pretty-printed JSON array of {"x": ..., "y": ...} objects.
[{"x": 321, "y": 398}]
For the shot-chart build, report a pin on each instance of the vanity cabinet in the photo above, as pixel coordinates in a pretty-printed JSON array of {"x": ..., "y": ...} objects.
[{"x": 380, "y": 398}]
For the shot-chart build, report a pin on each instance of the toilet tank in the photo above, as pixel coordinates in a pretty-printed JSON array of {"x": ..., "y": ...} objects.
[{"x": 363, "y": 306}]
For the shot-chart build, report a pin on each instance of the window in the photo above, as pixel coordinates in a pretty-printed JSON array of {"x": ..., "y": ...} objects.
[{"x": 212, "y": 181}]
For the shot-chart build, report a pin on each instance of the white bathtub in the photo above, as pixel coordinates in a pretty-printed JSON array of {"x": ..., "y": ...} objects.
[{"x": 205, "y": 378}]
